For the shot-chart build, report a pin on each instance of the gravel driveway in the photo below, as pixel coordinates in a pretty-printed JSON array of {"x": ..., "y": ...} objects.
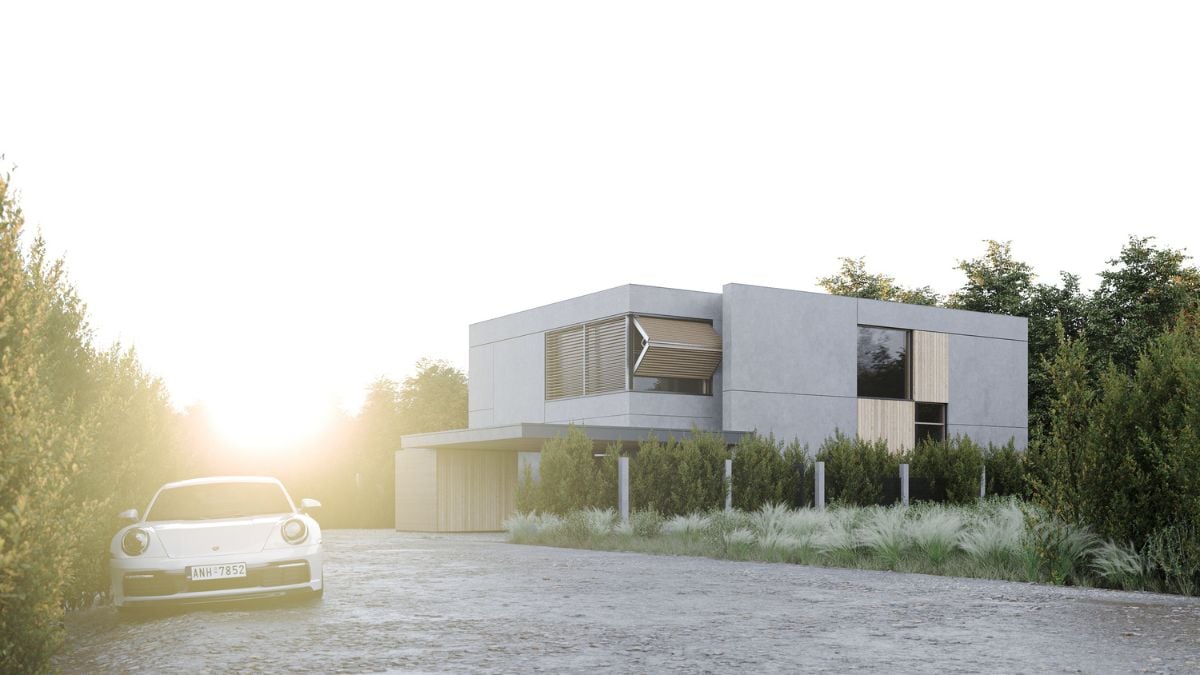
[{"x": 411, "y": 602}]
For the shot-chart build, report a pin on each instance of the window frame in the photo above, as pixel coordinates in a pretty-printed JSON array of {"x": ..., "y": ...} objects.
[
  {"x": 918, "y": 424},
  {"x": 632, "y": 349},
  {"x": 908, "y": 363}
]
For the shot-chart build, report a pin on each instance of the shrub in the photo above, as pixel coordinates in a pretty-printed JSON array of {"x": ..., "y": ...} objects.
[
  {"x": 856, "y": 471},
  {"x": 996, "y": 538},
  {"x": 953, "y": 468},
  {"x": 759, "y": 472},
  {"x": 798, "y": 486},
  {"x": 885, "y": 534},
  {"x": 1062, "y": 550},
  {"x": 646, "y": 523},
  {"x": 1005, "y": 471},
  {"x": 765, "y": 472},
  {"x": 571, "y": 476},
  {"x": 690, "y": 525},
  {"x": 522, "y": 527},
  {"x": 680, "y": 475},
  {"x": 1174, "y": 553},
  {"x": 1119, "y": 566},
  {"x": 935, "y": 531}
]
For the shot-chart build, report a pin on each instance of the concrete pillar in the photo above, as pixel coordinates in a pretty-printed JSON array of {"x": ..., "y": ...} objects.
[
  {"x": 904, "y": 485},
  {"x": 983, "y": 482},
  {"x": 728, "y": 485},
  {"x": 623, "y": 487},
  {"x": 819, "y": 496}
]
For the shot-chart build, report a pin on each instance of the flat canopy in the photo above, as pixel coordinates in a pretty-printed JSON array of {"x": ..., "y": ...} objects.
[{"x": 531, "y": 437}]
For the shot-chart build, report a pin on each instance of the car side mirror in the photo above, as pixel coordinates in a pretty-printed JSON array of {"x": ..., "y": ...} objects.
[
  {"x": 131, "y": 515},
  {"x": 307, "y": 504}
]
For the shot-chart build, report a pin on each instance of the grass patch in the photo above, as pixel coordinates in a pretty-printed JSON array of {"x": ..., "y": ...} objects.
[{"x": 995, "y": 539}]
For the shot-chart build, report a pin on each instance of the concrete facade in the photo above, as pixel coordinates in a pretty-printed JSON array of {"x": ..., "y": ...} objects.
[
  {"x": 788, "y": 364},
  {"x": 788, "y": 367},
  {"x": 508, "y": 358}
]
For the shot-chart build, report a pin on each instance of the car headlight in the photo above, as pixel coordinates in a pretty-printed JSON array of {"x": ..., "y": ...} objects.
[
  {"x": 294, "y": 531},
  {"x": 135, "y": 541}
]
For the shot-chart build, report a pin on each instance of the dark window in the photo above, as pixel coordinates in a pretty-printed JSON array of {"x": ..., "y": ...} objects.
[
  {"x": 883, "y": 362},
  {"x": 931, "y": 422},
  {"x": 677, "y": 385}
]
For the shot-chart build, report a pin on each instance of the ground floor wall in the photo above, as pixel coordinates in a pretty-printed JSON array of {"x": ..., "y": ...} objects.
[{"x": 454, "y": 490}]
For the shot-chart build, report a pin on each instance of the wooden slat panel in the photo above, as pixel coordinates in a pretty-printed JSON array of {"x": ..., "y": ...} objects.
[
  {"x": 892, "y": 421},
  {"x": 677, "y": 348},
  {"x": 564, "y": 363},
  {"x": 476, "y": 489},
  {"x": 606, "y": 355},
  {"x": 931, "y": 367},
  {"x": 676, "y": 331},
  {"x": 663, "y": 361},
  {"x": 416, "y": 490}
]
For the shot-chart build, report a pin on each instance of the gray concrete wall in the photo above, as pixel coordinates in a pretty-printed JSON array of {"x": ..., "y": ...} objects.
[
  {"x": 507, "y": 365},
  {"x": 989, "y": 385},
  {"x": 791, "y": 364}
]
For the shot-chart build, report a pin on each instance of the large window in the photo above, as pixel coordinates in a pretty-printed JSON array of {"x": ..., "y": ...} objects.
[
  {"x": 632, "y": 353},
  {"x": 883, "y": 362}
]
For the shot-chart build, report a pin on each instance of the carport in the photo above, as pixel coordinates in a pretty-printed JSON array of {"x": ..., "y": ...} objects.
[{"x": 466, "y": 480}]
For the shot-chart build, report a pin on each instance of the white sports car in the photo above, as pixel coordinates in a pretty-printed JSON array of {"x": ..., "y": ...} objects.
[{"x": 215, "y": 539}]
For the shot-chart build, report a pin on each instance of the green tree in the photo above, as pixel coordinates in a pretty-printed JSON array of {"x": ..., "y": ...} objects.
[
  {"x": 40, "y": 443},
  {"x": 1139, "y": 297},
  {"x": 1061, "y": 456},
  {"x": 434, "y": 398},
  {"x": 376, "y": 438},
  {"x": 79, "y": 429},
  {"x": 855, "y": 281},
  {"x": 1146, "y": 431},
  {"x": 996, "y": 282}
]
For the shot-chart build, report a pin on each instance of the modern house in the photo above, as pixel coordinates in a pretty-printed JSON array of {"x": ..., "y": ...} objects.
[{"x": 633, "y": 361}]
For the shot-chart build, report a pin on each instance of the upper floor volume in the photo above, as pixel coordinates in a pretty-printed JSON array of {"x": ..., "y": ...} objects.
[{"x": 791, "y": 363}]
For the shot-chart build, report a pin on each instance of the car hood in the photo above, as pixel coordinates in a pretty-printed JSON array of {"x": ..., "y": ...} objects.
[{"x": 216, "y": 537}]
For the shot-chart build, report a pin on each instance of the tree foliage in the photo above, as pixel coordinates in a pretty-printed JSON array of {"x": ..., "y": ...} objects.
[
  {"x": 1140, "y": 295},
  {"x": 1125, "y": 459},
  {"x": 855, "y": 281},
  {"x": 78, "y": 428}
]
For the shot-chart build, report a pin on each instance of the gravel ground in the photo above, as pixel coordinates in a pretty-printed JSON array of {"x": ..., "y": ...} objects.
[{"x": 411, "y": 602}]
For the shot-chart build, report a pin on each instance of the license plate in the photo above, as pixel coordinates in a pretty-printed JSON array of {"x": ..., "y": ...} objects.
[{"x": 206, "y": 572}]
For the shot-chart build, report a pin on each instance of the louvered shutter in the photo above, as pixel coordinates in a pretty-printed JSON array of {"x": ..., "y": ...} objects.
[
  {"x": 564, "y": 363},
  {"x": 675, "y": 348},
  {"x": 604, "y": 363}
]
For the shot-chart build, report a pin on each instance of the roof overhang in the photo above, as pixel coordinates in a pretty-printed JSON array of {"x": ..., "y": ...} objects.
[{"x": 531, "y": 437}]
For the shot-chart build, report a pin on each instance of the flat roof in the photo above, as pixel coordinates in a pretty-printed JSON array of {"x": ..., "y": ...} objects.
[{"x": 531, "y": 437}]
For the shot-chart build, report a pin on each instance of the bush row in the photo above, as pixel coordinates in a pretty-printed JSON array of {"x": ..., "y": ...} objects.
[{"x": 686, "y": 475}]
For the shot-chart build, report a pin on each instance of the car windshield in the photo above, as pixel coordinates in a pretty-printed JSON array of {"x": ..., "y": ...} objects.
[{"x": 219, "y": 500}]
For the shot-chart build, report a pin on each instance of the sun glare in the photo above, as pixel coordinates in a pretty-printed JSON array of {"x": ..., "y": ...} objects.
[{"x": 269, "y": 422}]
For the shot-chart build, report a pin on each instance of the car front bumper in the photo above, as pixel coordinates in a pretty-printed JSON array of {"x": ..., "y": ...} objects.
[{"x": 269, "y": 573}]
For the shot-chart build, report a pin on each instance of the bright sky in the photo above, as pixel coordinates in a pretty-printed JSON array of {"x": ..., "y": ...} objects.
[{"x": 281, "y": 202}]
